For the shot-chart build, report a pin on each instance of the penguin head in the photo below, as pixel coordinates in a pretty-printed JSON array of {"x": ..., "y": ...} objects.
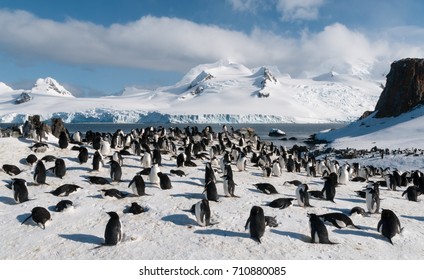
[{"x": 113, "y": 214}]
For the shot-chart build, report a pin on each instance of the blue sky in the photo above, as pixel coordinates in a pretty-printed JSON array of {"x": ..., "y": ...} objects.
[{"x": 100, "y": 47}]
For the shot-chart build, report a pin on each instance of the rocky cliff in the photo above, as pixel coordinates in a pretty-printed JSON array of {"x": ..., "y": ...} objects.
[{"x": 404, "y": 88}]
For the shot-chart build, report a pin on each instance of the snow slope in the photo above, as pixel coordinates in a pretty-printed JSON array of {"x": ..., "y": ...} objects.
[{"x": 220, "y": 92}]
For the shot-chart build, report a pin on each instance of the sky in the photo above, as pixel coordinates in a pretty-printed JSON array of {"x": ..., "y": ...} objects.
[{"x": 97, "y": 47}]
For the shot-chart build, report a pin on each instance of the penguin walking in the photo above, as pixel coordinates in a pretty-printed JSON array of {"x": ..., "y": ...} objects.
[
  {"x": 319, "y": 233},
  {"x": 302, "y": 195},
  {"x": 164, "y": 181},
  {"x": 202, "y": 212},
  {"x": 389, "y": 224},
  {"x": 138, "y": 185},
  {"x": 113, "y": 232},
  {"x": 256, "y": 223},
  {"x": 40, "y": 173},
  {"x": 20, "y": 190},
  {"x": 40, "y": 216}
]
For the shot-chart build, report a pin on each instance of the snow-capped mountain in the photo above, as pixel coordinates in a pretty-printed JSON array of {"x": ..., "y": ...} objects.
[
  {"x": 49, "y": 86},
  {"x": 220, "y": 92},
  {"x": 4, "y": 88}
]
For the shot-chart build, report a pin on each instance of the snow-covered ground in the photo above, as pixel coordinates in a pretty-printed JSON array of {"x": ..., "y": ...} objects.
[{"x": 221, "y": 92}]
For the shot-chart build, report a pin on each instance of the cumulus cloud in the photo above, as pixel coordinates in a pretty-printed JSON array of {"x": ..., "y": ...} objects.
[
  {"x": 299, "y": 9},
  {"x": 162, "y": 43},
  {"x": 245, "y": 5}
]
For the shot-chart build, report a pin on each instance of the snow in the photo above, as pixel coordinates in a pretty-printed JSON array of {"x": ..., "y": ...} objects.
[{"x": 224, "y": 91}]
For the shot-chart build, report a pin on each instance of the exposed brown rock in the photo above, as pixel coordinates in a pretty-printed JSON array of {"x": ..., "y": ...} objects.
[{"x": 404, "y": 88}]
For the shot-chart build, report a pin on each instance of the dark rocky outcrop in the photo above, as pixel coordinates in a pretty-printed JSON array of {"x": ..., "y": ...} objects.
[
  {"x": 404, "y": 88},
  {"x": 24, "y": 97},
  {"x": 58, "y": 127}
]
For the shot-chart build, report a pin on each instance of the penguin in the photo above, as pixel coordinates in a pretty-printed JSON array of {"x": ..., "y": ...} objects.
[
  {"x": 266, "y": 188},
  {"x": 138, "y": 185},
  {"x": 77, "y": 137},
  {"x": 115, "y": 171},
  {"x": 63, "y": 205},
  {"x": 40, "y": 216},
  {"x": 229, "y": 186},
  {"x": 20, "y": 190},
  {"x": 97, "y": 161},
  {"x": 343, "y": 175},
  {"x": 40, "y": 173},
  {"x": 266, "y": 171},
  {"x": 276, "y": 170},
  {"x": 211, "y": 192},
  {"x": 281, "y": 203},
  {"x": 241, "y": 162},
  {"x": 202, "y": 212},
  {"x": 302, "y": 195},
  {"x": 372, "y": 200},
  {"x": 135, "y": 209},
  {"x": 83, "y": 155},
  {"x": 339, "y": 220},
  {"x": 156, "y": 157},
  {"x": 117, "y": 156},
  {"x": 48, "y": 158},
  {"x": 411, "y": 193},
  {"x": 319, "y": 233},
  {"x": 113, "y": 232},
  {"x": 112, "y": 193},
  {"x": 181, "y": 159},
  {"x": 177, "y": 172},
  {"x": 330, "y": 184},
  {"x": 209, "y": 173},
  {"x": 105, "y": 148},
  {"x": 153, "y": 175},
  {"x": 39, "y": 147},
  {"x": 389, "y": 224},
  {"x": 97, "y": 180},
  {"x": 31, "y": 159},
  {"x": 164, "y": 181},
  {"x": 65, "y": 190},
  {"x": 63, "y": 140},
  {"x": 357, "y": 210},
  {"x": 59, "y": 168},
  {"x": 146, "y": 160},
  {"x": 11, "y": 170},
  {"x": 256, "y": 223}
]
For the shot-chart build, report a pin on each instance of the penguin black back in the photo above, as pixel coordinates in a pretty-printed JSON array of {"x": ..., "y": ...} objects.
[
  {"x": 40, "y": 216},
  {"x": 113, "y": 231},
  {"x": 256, "y": 223},
  {"x": 389, "y": 224}
]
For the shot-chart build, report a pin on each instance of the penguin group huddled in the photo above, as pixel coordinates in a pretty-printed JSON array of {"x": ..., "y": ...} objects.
[{"x": 128, "y": 169}]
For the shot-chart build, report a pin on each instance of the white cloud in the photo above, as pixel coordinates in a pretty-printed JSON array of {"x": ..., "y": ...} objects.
[
  {"x": 244, "y": 5},
  {"x": 177, "y": 45},
  {"x": 299, "y": 9}
]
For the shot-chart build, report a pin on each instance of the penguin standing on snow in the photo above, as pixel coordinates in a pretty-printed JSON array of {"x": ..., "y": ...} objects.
[
  {"x": 329, "y": 189},
  {"x": 302, "y": 195},
  {"x": 20, "y": 190},
  {"x": 138, "y": 185},
  {"x": 164, "y": 181},
  {"x": 115, "y": 171},
  {"x": 372, "y": 198},
  {"x": 202, "y": 213},
  {"x": 40, "y": 173},
  {"x": 59, "y": 168},
  {"x": 319, "y": 233},
  {"x": 113, "y": 231},
  {"x": 256, "y": 223},
  {"x": 389, "y": 224}
]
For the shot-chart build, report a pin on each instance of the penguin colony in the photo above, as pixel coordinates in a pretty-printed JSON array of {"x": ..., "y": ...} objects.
[{"x": 159, "y": 160}]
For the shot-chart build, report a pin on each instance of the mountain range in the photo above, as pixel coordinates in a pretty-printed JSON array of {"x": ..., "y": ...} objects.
[{"x": 220, "y": 92}]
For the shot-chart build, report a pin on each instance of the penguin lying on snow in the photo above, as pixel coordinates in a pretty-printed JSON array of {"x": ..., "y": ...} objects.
[
  {"x": 339, "y": 220},
  {"x": 40, "y": 216}
]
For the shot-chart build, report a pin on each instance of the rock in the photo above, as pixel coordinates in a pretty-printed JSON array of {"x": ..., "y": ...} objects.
[
  {"x": 404, "y": 88},
  {"x": 58, "y": 127},
  {"x": 24, "y": 97}
]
